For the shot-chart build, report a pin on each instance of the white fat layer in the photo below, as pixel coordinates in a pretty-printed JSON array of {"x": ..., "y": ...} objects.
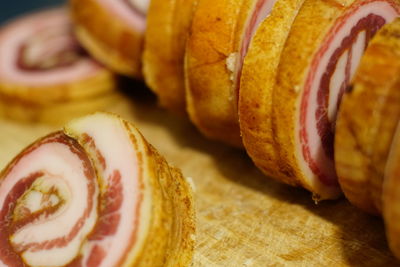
[
  {"x": 141, "y": 5},
  {"x": 65, "y": 172},
  {"x": 112, "y": 140},
  {"x": 18, "y": 32},
  {"x": 324, "y": 163},
  {"x": 336, "y": 84},
  {"x": 263, "y": 12},
  {"x": 358, "y": 52},
  {"x": 124, "y": 13}
]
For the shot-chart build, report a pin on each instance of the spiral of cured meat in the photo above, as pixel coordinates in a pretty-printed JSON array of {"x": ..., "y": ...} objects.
[
  {"x": 112, "y": 31},
  {"x": 367, "y": 120},
  {"x": 42, "y": 63},
  {"x": 321, "y": 54},
  {"x": 219, "y": 38},
  {"x": 95, "y": 194},
  {"x": 165, "y": 39}
]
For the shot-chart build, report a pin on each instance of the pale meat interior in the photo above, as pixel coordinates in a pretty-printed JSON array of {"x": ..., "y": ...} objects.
[{"x": 22, "y": 31}]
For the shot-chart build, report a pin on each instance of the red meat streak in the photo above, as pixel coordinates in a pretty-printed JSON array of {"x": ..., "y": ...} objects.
[
  {"x": 370, "y": 24},
  {"x": 10, "y": 255}
]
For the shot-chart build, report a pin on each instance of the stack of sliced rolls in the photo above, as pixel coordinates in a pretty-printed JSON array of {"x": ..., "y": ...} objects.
[{"x": 309, "y": 88}]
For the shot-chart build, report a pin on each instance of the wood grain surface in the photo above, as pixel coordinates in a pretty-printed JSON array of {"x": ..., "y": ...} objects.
[{"x": 244, "y": 218}]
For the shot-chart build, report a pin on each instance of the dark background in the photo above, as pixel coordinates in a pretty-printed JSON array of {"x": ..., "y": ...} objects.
[{"x": 12, "y": 8}]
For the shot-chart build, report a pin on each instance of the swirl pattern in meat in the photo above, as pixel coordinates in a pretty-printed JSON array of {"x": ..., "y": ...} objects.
[{"x": 95, "y": 194}]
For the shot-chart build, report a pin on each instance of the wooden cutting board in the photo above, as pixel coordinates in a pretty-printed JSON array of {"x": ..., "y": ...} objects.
[{"x": 244, "y": 218}]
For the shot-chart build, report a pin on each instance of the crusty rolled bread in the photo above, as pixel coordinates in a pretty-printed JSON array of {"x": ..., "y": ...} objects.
[
  {"x": 111, "y": 32},
  {"x": 168, "y": 24},
  {"x": 325, "y": 44},
  {"x": 367, "y": 120}
]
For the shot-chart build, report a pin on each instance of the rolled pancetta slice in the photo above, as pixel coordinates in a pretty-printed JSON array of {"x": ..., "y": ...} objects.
[
  {"x": 165, "y": 39},
  {"x": 322, "y": 51},
  {"x": 391, "y": 196},
  {"x": 256, "y": 86},
  {"x": 58, "y": 113},
  {"x": 367, "y": 120},
  {"x": 95, "y": 194},
  {"x": 112, "y": 31},
  {"x": 219, "y": 38},
  {"x": 42, "y": 63}
]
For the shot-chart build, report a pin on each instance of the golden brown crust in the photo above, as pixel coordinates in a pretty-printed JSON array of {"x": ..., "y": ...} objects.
[
  {"x": 54, "y": 113},
  {"x": 209, "y": 95},
  {"x": 391, "y": 197},
  {"x": 308, "y": 31},
  {"x": 107, "y": 38},
  {"x": 167, "y": 223},
  {"x": 367, "y": 121},
  {"x": 171, "y": 235},
  {"x": 257, "y": 82},
  {"x": 103, "y": 81},
  {"x": 168, "y": 24}
]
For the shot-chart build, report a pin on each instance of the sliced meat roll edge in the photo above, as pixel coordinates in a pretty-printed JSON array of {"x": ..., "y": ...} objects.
[
  {"x": 321, "y": 54},
  {"x": 367, "y": 120},
  {"x": 112, "y": 31},
  {"x": 259, "y": 72},
  {"x": 391, "y": 196},
  {"x": 219, "y": 37},
  {"x": 95, "y": 194},
  {"x": 168, "y": 25},
  {"x": 42, "y": 62}
]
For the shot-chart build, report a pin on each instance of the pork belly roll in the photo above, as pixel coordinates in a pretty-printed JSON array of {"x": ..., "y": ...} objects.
[
  {"x": 391, "y": 196},
  {"x": 321, "y": 54},
  {"x": 41, "y": 62},
  {"x": 95, "y": 194},
  {"x": 57, "y": 113},
  {"x": 165, "y": 39},
  {"x": 259, "y": 72},
  {"x": 112, "y": 31},
  {"x": 219, "y": 37},
  {"x": 367, "y": 121}
]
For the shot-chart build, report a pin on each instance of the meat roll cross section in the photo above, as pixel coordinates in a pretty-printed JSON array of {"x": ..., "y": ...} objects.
[
  {"x": 322, "y": 52},
  {"x": 112, "y": 31},
  {"x": 43, "y": 68},
  {"x": 219, "y": 38},
  {"x": 367, "y": 120},
  {"x": 168, "y": 25},
  {"x": 95, "y": 194}
]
